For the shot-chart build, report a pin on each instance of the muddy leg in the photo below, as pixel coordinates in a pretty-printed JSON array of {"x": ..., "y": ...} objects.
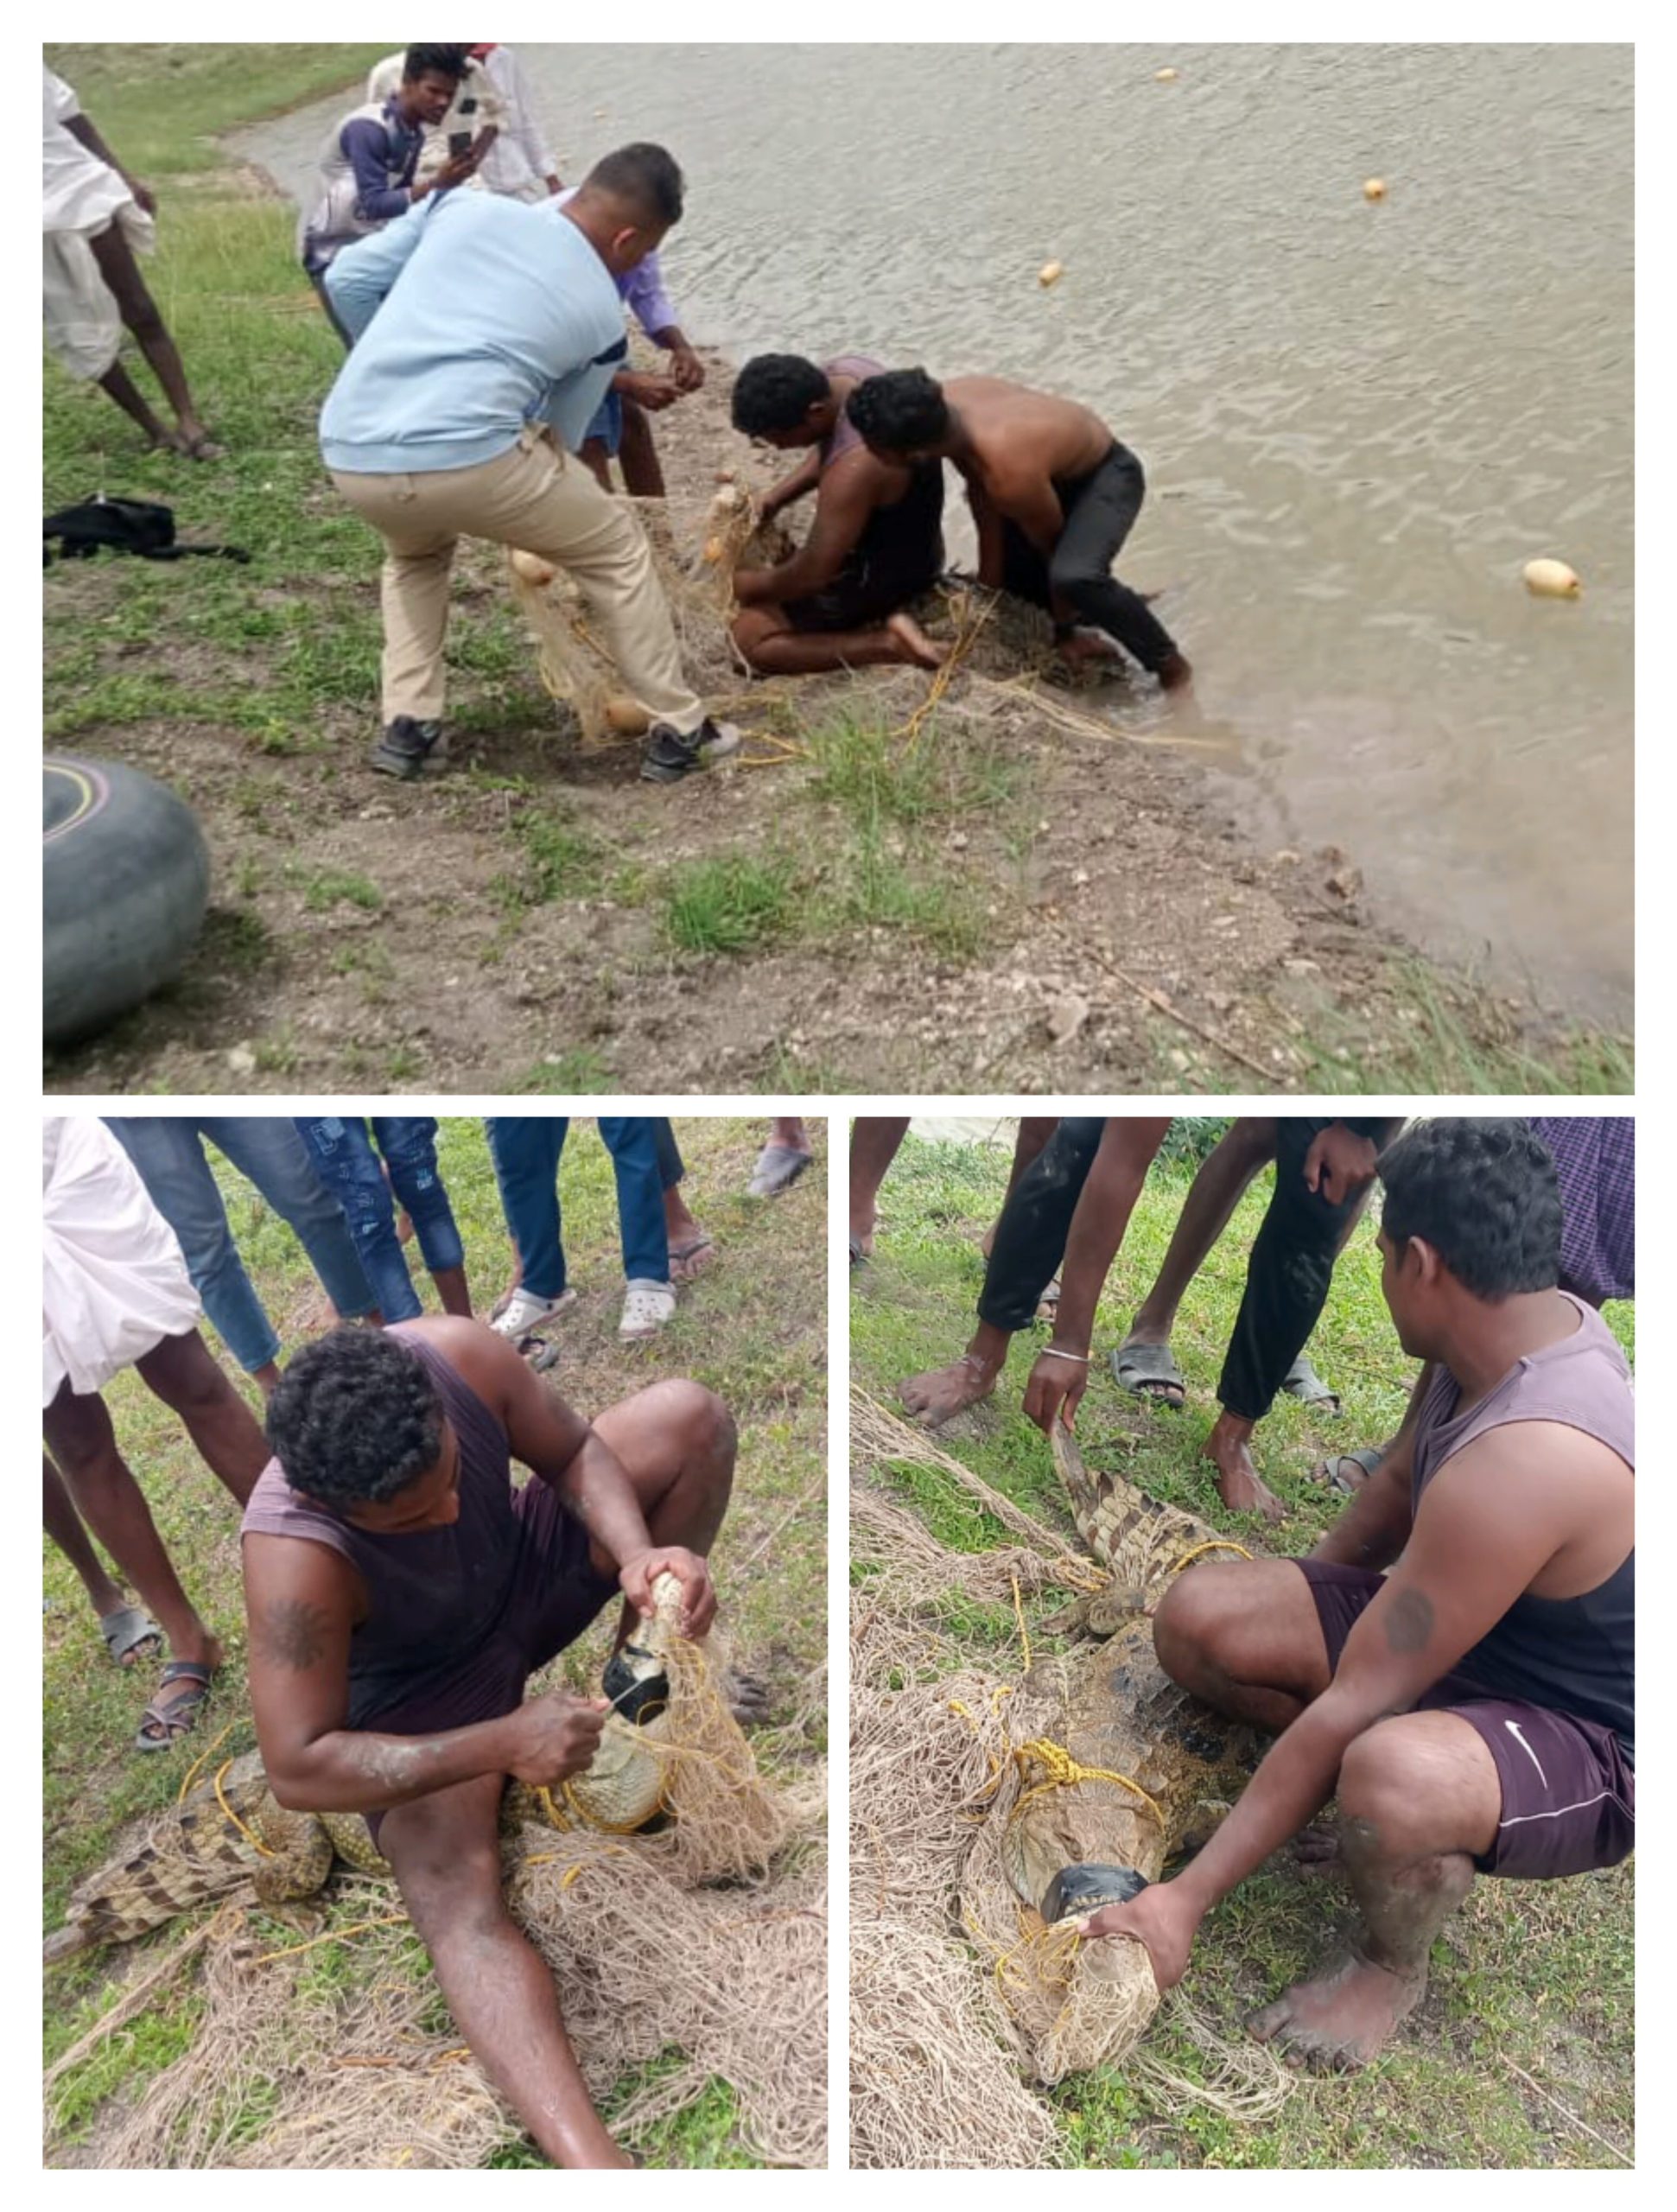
[{"x": 1420, "y": 1799}]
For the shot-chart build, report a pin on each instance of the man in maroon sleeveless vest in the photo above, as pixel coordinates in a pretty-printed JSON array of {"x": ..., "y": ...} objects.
[
  {"x": 1454, "y": 1660},
  {"x": 400, "y": 1591}
]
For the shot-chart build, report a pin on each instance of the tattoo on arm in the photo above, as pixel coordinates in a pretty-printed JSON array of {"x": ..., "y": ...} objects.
[
  {"x": 1409, "y": 1624},
  {"x": 292, "y": 1633}
]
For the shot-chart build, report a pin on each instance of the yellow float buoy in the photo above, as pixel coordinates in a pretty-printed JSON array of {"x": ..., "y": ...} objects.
[
  {"x": 627, "y": 717},
  {"x": 533, "y": 568},
  {"x": 1374, "y": 188},
  {"x": 1552, "y": 579},
  {"x": 1163, "y": 76},
  {"x": 1051, "y": 273}
]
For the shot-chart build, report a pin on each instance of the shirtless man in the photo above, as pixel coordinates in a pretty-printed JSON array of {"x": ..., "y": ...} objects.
[
  {"x": 876, "y": 541},
  {"x": 1053, "y": 495},
  {"x": 1472, "y": 1708},
  {"x": 1074, "y": 1202},
  {"x": 399, "y": 1591}
]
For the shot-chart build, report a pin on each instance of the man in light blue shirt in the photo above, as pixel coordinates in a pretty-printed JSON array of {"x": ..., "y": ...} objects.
[{"x": 485, "y": 333}]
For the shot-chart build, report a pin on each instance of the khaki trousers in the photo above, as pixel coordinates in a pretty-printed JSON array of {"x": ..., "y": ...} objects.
[{"x": 535, "y": 497}]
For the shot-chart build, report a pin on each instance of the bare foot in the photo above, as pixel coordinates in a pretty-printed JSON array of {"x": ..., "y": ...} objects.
[
  {"x": 914, "y": 644},
  {"x": 1175, "y": 675},
  {"x": 1342, "y": 2018},
  {"x": 196, "y": 443},
  {"x": 1079, "y": 647},
  {"x": 938, "y": 1395},
  {"x": 1238, "y": 1483}
]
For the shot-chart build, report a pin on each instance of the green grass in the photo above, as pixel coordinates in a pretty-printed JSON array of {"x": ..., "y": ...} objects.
[
  {"x": 1538, "y": 1976},
  {"x": 730, "y": 905},
  {"x": 753, "y": 1329}
]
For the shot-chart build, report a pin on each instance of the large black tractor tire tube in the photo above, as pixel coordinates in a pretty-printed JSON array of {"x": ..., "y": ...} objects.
[{"x": 125, "y": 878}]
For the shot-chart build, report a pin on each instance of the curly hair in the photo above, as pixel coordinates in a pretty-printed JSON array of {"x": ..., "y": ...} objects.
[
  {"x": 355, "y": 1418},
  {"x": 1483, "y": 1193},
  {"x": 902, "y": 411},
  {"x": 775, "y": 391}
]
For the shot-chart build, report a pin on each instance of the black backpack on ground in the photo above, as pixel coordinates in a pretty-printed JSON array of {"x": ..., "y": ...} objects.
[{"x": 137, "y": 527}]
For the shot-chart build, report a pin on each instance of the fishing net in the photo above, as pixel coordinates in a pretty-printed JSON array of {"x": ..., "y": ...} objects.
[
  {"x": 696, "y": 544},
  {"x": 694, "y": 1956},
  {"x": 964, "y": 2003}
]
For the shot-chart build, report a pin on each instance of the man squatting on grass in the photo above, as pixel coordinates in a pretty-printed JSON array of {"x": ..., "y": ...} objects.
[
  {"x": 400, "y": 1591},
  {"x": 484, "y": 334},
  {"x": 1471, "y": 1707},
  {"x": 876, "y": 542},
  {"x": 1053, "y": 497}
]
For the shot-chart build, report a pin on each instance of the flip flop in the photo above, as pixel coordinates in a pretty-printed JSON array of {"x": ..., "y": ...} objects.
[
  {"x": 127, "y": 1631},
  {"x": 1303, "y": 1383},
  {"x": 778, "y": 1168},
  {"x": 1150, "y": 1371},
  {"x": 1048, "y": 1306},
  {"x": 180, "y": 1715},
  {"x": 1331, "y": 1471},
  {"x": 537, "y": 1353},
  {"x": 686, "y": 1260},
  {"x": 858, "y": 1253}
]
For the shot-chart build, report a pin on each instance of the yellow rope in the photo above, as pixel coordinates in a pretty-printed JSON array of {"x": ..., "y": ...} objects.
[
  {"x": 940, "y": 682},
  {"x": 254, "y": 1841},
  {"x": 1062, "y": 1771},
  {"x": 1216, "y": 1544},
  {"x": 1018, "y": 1614},
  {"x": 192, "y": 1771},
  {"x": 332, "y": 1935}
]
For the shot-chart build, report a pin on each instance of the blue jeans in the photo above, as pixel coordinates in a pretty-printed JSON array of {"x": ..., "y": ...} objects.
[
  {"x": 527, "y": 1152},
  {"x": 343, "y": 1152},
  {"x": 168, "y": 1150}
]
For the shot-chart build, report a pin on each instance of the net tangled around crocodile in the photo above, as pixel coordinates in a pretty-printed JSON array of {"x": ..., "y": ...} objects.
[
  {"x": 684, "y": 1957},
  {"x": 979, "y": 1793}
]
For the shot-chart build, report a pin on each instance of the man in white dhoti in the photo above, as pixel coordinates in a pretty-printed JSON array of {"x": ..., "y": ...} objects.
[
  {"x": 94, "y": 217},
  {"x": 114, "y": 1294}
]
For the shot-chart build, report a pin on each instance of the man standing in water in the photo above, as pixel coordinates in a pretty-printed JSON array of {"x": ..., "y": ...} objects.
[
  {"x": 876, "y": 542},
  {"x": 400, "y": 1592},
  {"x": 1471, "y": 1706},
  {"x": 1053, "y": 495}
]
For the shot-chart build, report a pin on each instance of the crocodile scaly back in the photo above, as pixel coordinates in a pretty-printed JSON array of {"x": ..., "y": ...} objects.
[{"x": 1141, "y": 1541}]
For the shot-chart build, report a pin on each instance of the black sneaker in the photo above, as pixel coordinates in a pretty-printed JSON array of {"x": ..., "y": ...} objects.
[
  {"x": 670, "y": 756},
  {"x": 406, "y": 747}
]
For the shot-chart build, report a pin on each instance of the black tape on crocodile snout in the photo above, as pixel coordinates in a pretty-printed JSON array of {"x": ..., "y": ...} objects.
[
  {"x": 1080, "y": 1888},
  {"x": 636, "y": 1697}
]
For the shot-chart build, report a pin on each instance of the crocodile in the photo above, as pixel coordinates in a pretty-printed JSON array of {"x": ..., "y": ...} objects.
[
  {"x": 1121, "y": 1772},
  {"x": 229, "y": 1829}
]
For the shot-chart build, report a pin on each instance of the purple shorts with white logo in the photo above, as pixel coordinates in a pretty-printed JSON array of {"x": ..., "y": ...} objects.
[{"x": 1569, "y": 1793}]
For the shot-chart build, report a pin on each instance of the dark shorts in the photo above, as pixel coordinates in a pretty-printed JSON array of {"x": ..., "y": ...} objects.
[
  {"x": 555, "y": 1594},
  {"x": 1569, "y": 1793},
  {"x": 858, "y": 598}
]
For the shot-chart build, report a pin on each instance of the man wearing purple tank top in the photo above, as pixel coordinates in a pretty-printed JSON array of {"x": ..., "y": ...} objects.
[
  {"x": 1455, "y": 1660},
  {"x": 399, "y": 1593},
  {"x": 876, "y": 541}
]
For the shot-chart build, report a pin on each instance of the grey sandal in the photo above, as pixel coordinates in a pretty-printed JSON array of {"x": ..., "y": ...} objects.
[
  {"x": 778, "y": 1168},
  {"x": 1150, "y": 1371},
  {"x": 1333, "y": 1472},
  {"x": 180, "y": 1715},
  {"x": 1302, "y": 1382},
  {"x": 127, "y": 1631}
]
